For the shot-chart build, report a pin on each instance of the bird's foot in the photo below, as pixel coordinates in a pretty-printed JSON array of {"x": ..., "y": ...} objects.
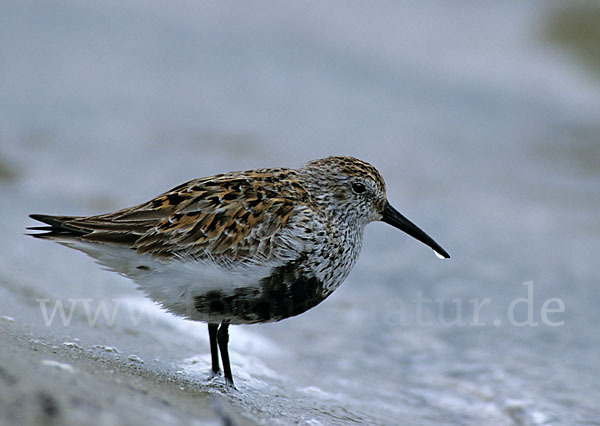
[
  {"x": 213, "y": 374},
  {"x": 229, "y": 384}
]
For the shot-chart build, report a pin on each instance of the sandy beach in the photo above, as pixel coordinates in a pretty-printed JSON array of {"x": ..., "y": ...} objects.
[{"x": 48, "y": 382}]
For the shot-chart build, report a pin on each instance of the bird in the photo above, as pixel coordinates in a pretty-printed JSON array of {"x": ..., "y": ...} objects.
[{"x": 242, "y": 247}]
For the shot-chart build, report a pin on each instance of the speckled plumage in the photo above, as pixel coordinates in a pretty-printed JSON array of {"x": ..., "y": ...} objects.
[{"x": 241, "y": 247}]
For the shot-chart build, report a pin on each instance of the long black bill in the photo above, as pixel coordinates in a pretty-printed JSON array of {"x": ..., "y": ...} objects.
[{"x": 394, "y": 218}]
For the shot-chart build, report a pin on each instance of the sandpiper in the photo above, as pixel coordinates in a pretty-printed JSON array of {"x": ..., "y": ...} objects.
[{"x": 241, "y": 247}]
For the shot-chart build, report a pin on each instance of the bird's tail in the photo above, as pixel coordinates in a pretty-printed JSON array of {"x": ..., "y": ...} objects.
[{"x": 58, "y": 227}]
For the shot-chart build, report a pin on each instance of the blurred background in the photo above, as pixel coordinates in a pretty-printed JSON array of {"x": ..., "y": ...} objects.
[{"x": 483, "y": 118}]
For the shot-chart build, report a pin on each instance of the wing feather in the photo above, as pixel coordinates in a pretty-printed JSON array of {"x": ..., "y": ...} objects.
[{"x": 231, "y": 217}]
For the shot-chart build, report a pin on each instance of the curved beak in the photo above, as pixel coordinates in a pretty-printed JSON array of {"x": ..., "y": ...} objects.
[{"x": 394, "y": 218}]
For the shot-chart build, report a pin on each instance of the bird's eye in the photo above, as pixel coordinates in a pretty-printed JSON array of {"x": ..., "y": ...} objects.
[{"x": 358, "y": 187}]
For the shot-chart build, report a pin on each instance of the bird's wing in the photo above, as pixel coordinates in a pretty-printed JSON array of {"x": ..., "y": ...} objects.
[{"x": 230, "y": 217}]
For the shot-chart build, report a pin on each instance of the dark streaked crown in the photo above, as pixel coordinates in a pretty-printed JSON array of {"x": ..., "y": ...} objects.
[{"x": 349, "y": 166}]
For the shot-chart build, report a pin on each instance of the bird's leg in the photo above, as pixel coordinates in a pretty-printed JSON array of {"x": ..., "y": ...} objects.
[
  {"x": 214, "y": 349},
  {"x": 223, "y": 339}
]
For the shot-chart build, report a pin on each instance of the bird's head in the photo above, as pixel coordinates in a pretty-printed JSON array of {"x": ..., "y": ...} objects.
[{"x": 353, "y": 191}]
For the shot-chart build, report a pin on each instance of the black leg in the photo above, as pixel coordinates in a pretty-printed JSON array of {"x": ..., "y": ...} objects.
[
  {"x": 214, "y": 350},
  {"x": 223, "y": 339}
]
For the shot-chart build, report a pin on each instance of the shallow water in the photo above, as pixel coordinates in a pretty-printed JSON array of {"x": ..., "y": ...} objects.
[{"x": 486, "y": 134}]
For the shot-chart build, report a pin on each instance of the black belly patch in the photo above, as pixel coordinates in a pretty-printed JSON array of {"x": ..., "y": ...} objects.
[{"x": 287, "y": 292}]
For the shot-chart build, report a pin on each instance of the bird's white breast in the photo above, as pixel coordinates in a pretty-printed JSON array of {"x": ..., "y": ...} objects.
[{"x": 175, "y": 283}]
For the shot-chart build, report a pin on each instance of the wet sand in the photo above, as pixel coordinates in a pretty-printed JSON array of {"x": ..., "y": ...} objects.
[{"x": 46, "y": 382}]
